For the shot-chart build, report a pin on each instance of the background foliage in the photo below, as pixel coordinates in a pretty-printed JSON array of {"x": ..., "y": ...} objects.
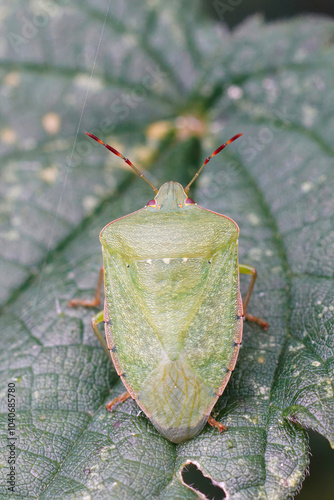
[
  {"x": 232, "y": 12},
  {"x": 165, "y": 87}
]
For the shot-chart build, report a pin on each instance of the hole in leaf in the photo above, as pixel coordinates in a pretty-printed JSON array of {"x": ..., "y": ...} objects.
[
  {"x": 319, "y": 484},
  {"x": 194, "y": 478}
]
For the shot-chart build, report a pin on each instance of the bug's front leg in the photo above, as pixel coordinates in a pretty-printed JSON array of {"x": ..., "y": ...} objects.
[
  {"x": 252, "y": 271},
  {"x": 98, "y": 318},
  {"x": 95, "y": 302},
  {"x": 120, "y": 399}
]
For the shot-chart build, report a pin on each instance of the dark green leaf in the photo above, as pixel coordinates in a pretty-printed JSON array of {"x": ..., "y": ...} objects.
[{"x": 166, "y": 88}]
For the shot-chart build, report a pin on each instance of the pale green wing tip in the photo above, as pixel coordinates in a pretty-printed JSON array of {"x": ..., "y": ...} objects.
[
  {"x": 180, "y": 434},
  {"x": 177, "y": 401}
]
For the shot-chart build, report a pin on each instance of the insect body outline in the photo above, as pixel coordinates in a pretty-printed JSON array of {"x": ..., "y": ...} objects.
[{"x": 173, "y": 312}]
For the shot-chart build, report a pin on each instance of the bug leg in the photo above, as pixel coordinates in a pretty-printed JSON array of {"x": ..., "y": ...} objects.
[
  {"x": 95, "y": 302},
  {"x": 216, "y": 424},
  {"x": 252, "y": 271},
  {"x": 98, "y": 318},
  {"x": 120, "y": 399}
]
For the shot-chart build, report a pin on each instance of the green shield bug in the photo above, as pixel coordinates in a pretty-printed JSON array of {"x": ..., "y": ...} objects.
[{"x": 173, "y": 312}]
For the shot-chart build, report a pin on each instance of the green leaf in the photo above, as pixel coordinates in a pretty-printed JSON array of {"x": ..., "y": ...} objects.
[{"x": 166, "y": 87}]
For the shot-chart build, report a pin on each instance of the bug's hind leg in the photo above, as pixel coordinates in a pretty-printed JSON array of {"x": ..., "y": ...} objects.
[
  {"x": 252, "y": 271},
  {"x": 95, "y": 302},
  {"x": 120, "y": 399},
  {"x": 215, "y": 423}
]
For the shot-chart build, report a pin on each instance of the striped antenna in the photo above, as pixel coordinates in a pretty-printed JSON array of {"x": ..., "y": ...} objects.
[
  {"x": 209, "y": 158},
  {"x": 113, "y": 150}
]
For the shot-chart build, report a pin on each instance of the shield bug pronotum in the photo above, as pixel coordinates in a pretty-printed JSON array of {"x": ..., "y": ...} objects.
[{"x": 173, "y": 312}]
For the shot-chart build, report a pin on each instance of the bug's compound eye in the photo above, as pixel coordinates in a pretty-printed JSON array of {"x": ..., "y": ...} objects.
[
  {"x": 152, "y": 203},
  {"x": 189, "y": 201}
]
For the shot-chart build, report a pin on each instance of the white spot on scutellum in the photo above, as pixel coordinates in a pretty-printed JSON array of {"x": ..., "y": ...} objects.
[
  {"x": 166, "y": 261},
  {"x": 149, "y": 261},
  {"x": 184, "y": 259}
]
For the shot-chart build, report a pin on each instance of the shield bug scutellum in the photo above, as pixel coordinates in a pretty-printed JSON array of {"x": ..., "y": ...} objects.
[{"x": 173, "y": 311}]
